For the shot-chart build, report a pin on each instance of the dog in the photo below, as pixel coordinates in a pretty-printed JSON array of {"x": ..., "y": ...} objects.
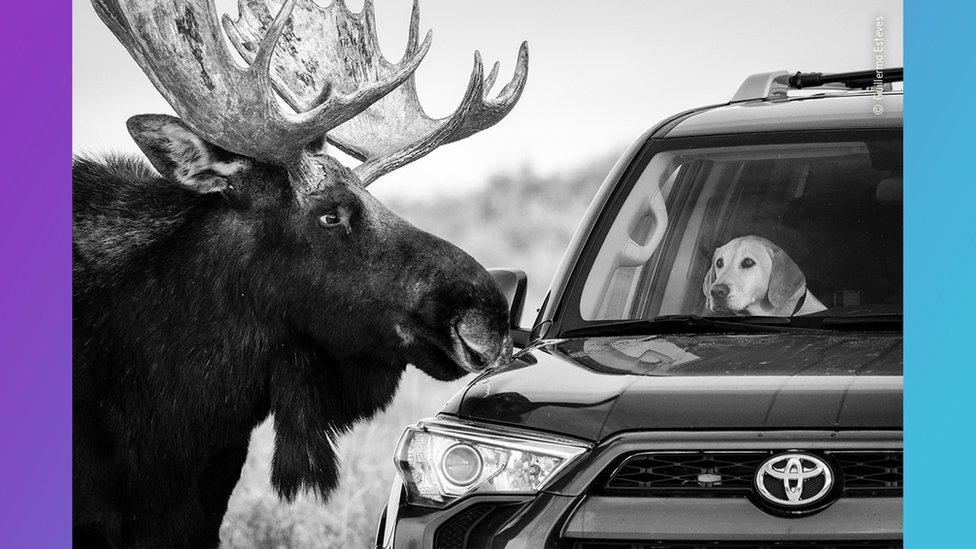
[{"x": 750, "y": 275}]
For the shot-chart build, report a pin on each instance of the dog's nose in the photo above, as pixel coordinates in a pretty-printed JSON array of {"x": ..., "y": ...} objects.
[{"x": 720, "y": 291}]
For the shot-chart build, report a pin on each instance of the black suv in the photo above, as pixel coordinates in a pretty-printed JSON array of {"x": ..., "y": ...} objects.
[{"x": 719, "y": 361}]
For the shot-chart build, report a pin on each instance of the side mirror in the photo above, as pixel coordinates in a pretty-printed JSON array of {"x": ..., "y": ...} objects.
[{"x": 512, "y": 283}]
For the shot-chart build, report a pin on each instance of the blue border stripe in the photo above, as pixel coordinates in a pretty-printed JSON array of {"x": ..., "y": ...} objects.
[{"x": 940, "y": 246}]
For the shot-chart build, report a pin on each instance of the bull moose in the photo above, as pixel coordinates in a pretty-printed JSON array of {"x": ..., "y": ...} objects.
[{"x": 251, "y": 274}]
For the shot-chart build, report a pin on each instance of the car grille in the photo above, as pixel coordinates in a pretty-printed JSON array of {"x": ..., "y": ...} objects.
[
  {"x": 473, "y": 527},
  {"x": 739, "y": 545},
  {"x": 452, "y": 534},
  {"x": 871, "y": 473},
  {"x": 704, "y": 474}
]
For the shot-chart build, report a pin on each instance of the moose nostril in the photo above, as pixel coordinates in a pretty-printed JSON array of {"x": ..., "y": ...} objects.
[
  {"x": 720, "y": 291},
  {"x": 482, "y": 345}
]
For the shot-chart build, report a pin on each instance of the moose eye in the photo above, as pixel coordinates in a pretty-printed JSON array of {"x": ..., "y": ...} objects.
[
  {"x": 719, "y": 263},
  {"x": 330, "y": 219},
  {"x": 747, "y": 262}
]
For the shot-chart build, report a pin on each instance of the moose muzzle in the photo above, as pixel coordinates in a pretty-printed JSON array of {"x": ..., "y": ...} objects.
[{"x": 477, "y": 344}]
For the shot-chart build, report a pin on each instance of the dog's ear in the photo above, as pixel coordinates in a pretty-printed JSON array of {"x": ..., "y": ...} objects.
[
  {"x": 707, "y": 286},
  {"x": 785, "y": 276}
]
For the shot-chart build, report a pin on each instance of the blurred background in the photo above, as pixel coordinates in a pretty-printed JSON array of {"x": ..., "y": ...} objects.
[{"x": 600, "y": 74}]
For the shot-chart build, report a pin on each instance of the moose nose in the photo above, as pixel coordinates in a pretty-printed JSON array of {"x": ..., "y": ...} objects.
[
  {"x": 479, "y": 345},
  {"x": 720, "y": 291}
]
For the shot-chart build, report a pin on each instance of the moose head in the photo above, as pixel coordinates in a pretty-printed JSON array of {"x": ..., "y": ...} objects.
[{"x": 338, "y": 267}]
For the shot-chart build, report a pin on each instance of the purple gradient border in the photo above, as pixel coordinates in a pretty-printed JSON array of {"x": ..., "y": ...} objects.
[{"x": 35, "y": 280}]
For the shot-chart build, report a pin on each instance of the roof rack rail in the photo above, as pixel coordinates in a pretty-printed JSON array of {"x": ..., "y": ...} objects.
[
  {"x": 858, "y": 80},
  {"x": 775, "y": 85}
]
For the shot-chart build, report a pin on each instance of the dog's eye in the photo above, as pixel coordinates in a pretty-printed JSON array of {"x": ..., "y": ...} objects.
[
  {"x": 747, "y": 262},
  {"x": 719, "y": 263}
]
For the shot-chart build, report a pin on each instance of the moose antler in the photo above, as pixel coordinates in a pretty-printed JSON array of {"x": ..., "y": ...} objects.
[
  {"x": 331, "y": 48},
  {"x": 181, "y": 48},
  {"x": 324, "y": 62}
]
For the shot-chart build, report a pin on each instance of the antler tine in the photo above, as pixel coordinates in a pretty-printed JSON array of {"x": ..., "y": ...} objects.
[
  {"x": 369, "y": 14},
  {"x": 257, "y": 14},
  {"x": 338, "y": 108},
  {"x": 513, "y": 90},
  {"x": 414, "y": 30},
  {"x": 372, "y": 168},
  {"x": 475, "y": 114},
  {"x": 335, "y": 46},
  {"x": 261, "y": 66},
  {"x": 330, "y": 106},
  {"x": 490, "y": 81}
]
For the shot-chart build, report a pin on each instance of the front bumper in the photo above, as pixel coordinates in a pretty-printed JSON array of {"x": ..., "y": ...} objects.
[{"x": 570, "y": 514}]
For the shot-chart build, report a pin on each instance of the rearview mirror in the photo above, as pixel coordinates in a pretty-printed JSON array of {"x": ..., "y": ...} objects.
[{"x": 512, "y": 283}]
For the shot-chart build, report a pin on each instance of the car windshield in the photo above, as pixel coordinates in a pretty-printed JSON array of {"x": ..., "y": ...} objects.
[{"x": 797, "y": 229}]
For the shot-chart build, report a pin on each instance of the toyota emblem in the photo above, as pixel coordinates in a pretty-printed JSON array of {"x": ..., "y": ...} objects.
[{"x": 794, "y": 481}]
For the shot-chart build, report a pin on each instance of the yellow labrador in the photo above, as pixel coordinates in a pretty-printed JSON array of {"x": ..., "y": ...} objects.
[{"x": 752, "y": 276}]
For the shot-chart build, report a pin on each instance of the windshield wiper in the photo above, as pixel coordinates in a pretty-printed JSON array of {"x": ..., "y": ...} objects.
[
  {"x": 878, "y": 321},
  {"x": 684, "y": 324},
  {"x": 739, "y": 320},
  {"x": 694, "y": 324}
]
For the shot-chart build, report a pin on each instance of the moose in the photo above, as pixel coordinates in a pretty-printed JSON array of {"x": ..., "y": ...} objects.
[{"x": 247, "y": 273}]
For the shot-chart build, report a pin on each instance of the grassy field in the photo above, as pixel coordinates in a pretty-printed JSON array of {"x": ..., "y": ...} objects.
[{"x": 518, "y": 220}]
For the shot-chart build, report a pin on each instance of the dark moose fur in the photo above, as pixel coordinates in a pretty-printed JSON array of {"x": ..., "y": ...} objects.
[{"x": 196, "y": 315}]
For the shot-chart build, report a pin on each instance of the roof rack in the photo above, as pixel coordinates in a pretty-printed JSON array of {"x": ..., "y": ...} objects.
[{"x": 775, "y": 85}]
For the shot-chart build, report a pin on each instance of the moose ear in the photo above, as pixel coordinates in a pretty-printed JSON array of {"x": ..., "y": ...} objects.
[
  {"x": 785, "y": 276},
  {"x": 181, "y": 155},
  {"x": 707, "y": 286}
]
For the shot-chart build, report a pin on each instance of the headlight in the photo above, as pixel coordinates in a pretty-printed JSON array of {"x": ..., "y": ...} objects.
[{"x": 440, "y": 461}]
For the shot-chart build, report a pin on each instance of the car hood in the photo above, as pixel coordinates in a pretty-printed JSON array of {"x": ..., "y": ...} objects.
[{"x": 595, "y": 387}]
